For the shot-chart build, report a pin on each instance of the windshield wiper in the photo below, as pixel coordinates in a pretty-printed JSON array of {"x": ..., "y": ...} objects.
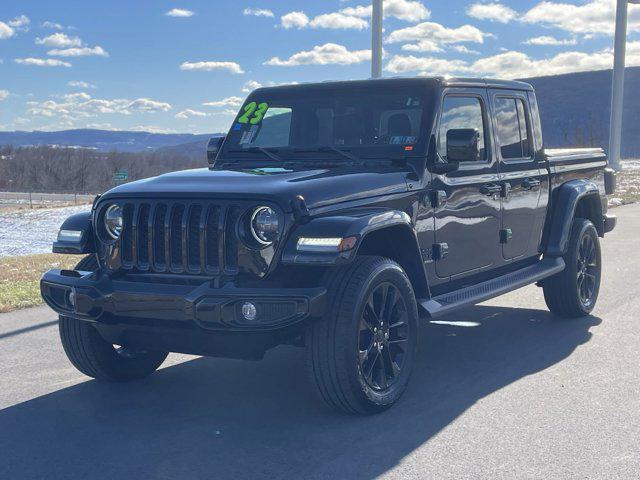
[
  {"x": 339, "y": 151},
  {"x": 268, "y": 153}
]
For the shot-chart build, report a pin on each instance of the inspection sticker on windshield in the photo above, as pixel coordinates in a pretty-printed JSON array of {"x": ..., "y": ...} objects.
[{"x": 249, "y": 135}]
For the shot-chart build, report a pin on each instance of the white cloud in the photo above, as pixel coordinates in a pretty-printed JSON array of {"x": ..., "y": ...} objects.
[
  {"x": 208, "y": 66},
  {"x": 407, "y": 10},
  {"x": 82, "y": 105},
  {"x": 595, "y": 17},
  {"x": 514, "y": 64},
  {"x": 426, "y": 65},
  {"x": 21, "y": 22},
  {"x": 338, "y": 21},
  {"x": 40, "y": 62},
  {"x": 3, "y": 94},
  {"x": 548, "y": 40},
  {"x": 357, "y": 18},
  {"x": 226, "y": 102},
  {"x": 148, "y": 105},
  {"x": 188, "y": 113},
  {"x": 464, "y": 49},
  {"x": 79, "y": 52},
  {"x": 258, "y": 12},
  {"x": 429, "y": 36},
  {"x": 54, "y": 25},
  {"x": 423, "y": 46},
  {"x": 294, "y": 20},
  {"x": 101, "y": 126},
  {"x": 59, "y": 40},
  {"x": 327, "y": 54},
  {"x": 6, "y": 31},
  {"x": 495, "y": 12},
  {"x": 250, "y": 86},
  {"x": 80, "y": 84},
  {"x": 150, "y": 129},
  {"x": 180, "y": 13}
]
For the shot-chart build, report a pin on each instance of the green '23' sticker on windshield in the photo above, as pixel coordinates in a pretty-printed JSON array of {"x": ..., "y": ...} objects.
[{"x": 253, "y": 113}]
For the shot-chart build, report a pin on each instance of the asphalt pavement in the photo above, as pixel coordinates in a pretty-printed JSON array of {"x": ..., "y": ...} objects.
[{"x": 503, "y": 390}]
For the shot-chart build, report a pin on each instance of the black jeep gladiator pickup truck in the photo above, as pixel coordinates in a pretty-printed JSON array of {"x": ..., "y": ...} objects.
[{"x": 332, "y": 216}]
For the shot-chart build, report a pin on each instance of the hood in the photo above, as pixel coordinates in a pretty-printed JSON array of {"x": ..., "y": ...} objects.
[{"x": 319, "y": 187}]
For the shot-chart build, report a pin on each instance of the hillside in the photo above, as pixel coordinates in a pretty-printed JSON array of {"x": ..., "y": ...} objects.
[
  {"x": 575, "y": 109},
  {"x": 103, "y": 140}
]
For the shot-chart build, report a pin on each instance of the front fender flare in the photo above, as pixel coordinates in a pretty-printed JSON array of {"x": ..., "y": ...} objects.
[
  {"x": 356, "y": 223},
  {"x": 564, "y": 207},
  {"x": 79, "y": 222}
]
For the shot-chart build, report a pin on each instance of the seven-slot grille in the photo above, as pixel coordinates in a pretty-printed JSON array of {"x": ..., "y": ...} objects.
[{"x": 186, "y": 237}]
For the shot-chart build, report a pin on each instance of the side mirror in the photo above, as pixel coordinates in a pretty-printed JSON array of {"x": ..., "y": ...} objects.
[
  {"x": 463, "y": 145},
  {"x": 213, "y": 147}
]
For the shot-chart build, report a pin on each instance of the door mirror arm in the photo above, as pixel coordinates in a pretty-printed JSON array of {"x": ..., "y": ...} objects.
[
  {"x": 213, "y": 148},
  {"x": 441, "y": 168}
]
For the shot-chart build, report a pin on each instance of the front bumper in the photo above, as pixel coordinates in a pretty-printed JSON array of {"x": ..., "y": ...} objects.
[{"x": 97, "y": 297}]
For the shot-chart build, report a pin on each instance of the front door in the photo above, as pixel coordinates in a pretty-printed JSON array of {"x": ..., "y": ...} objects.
[
  {"x": 521, "y": 175},
  {"x": 467, "y": 218}
]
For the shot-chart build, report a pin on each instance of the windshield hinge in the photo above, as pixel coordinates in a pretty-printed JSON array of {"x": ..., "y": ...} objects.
[{"x": 300, "y": 209}]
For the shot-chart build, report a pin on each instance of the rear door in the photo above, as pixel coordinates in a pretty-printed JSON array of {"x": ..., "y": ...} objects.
[
  {"x": 521, "y": 174},
  {"x": 467, "y": 217}
]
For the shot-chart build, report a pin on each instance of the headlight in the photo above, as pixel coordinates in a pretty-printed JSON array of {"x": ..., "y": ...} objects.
[
  {"x": 113, "y": 221},
  {"x": 265, "y": 225}
]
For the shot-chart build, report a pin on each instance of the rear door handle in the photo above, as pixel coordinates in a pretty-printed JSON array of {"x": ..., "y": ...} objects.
[
  {"x": 491, "y": 189},
  {"x": 530, "y": 183}
]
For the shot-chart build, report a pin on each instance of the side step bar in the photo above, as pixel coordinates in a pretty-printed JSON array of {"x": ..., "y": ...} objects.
[{"x": 449, "y": 302}]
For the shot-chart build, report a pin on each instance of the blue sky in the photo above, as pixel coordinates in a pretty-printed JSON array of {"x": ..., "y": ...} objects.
[{"x": 185, "y": 66}]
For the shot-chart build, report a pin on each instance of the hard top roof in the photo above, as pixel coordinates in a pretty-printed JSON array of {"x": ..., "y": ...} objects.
[{"x": 413, "y": 82}]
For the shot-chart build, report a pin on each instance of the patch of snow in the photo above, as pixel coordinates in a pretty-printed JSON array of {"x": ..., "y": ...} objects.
[{"x": 27, "y": 232}]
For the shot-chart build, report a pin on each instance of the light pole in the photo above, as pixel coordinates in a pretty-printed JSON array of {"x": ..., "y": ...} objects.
[
  {"x": 376, "y": 39},
  {"x": 617, "y": 86}
]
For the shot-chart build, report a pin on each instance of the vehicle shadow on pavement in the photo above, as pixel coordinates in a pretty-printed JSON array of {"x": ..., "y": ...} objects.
[{"x": 212, "y": 418}]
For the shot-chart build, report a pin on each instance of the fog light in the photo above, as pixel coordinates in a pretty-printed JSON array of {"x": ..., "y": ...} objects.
[{"x": 249, "y": 311}]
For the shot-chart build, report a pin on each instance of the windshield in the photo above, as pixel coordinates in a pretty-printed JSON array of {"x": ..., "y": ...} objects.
[{"x": 343, "y": 124}]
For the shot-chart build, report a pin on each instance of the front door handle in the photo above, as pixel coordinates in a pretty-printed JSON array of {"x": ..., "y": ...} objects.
[
  {"x": 530, "y": 183},
  {"x": 491, "y": 189}
]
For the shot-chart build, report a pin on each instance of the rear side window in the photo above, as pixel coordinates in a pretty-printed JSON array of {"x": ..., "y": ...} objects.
[
  {"x": 461, "y": 113},
  {"x": 512, "y": 128}
]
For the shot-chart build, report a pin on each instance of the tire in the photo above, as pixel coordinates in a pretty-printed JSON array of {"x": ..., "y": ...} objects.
[
  {"x": 346, "y": 349},
  {"x": 95, "y": 357},
  {"x": 573, "y": 292}
]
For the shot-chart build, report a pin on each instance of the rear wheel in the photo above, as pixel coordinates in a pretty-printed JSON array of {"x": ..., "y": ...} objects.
[
  {"x": 574, "y": 291},
  {"x": 97, "y": 358},
  {"x": 361, "y": 354}
]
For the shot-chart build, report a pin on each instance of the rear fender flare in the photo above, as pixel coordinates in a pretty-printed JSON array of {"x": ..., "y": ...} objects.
[{"x": 565, "y": 205}]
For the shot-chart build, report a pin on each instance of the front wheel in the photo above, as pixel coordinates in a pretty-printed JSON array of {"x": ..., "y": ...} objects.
[
  {"x": 95, "y": 357},
  {"x": 574, "y": 291},
  {"x": 362, "y": 352}
]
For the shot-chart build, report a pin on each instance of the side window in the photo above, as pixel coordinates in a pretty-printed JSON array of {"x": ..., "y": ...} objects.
[
  {"x": 513, "y": 128},
  {"x": 461, "y": 113},
  {"x": 508, "y": 128},
  {"x": 524, "y": 128}
]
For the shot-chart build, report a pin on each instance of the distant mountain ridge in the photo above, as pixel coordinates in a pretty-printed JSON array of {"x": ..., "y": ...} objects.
[
  {"x": 103, "y": 140},
  {"x": 575, "y": 110}
]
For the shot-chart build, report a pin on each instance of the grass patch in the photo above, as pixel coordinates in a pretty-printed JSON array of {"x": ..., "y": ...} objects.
[{"x": 20, "y": 278}]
